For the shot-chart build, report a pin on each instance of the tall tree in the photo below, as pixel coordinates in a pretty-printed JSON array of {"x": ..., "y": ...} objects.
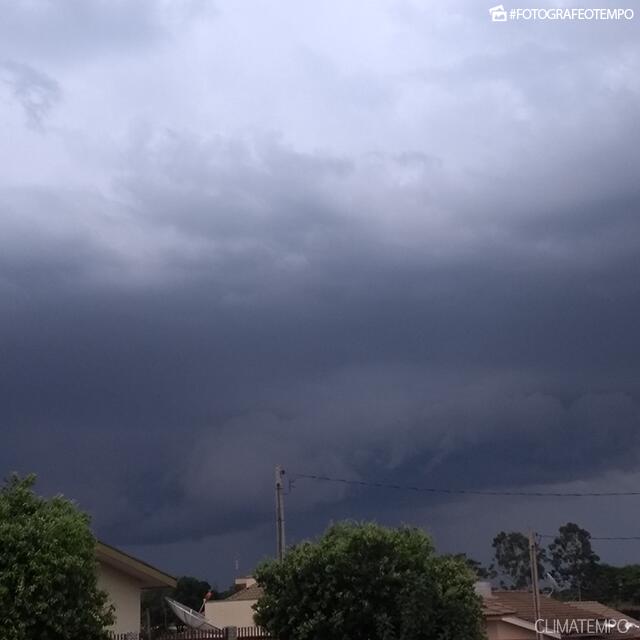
[
  {"x": 511, "y": 553},
  {"x": 572, "y": 558},
  {"x": 48, "y": 582},
  {"x": 478, "y": 569},
  {"x": 366, "y": 582},
  {"x": 191, "y": 591}
]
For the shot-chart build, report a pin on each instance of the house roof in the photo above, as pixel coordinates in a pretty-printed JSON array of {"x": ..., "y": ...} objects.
[
  {"x": 521, "y": 605},
  {"x": 611, "y": 614},
  {"x": 493, "y": 608},
  {"x": 254, "y": 592},
  {"x": 598, "y": 607},
  {"x": 147, "y": 575}
]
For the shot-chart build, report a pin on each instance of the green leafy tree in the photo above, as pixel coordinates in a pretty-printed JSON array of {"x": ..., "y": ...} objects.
[
  {"x": 155, "y": 611},
  {"x": 479, "y": 570},
  {"x": 572, "y": 558},
  {"x": 628, "y": 585},
  {"x": 618, "y": 587},
  {"x": 366, "y": 582},
  {"x": 607, "y": 584},
  {"x": 191, "y": 591},
  {"x": 48, "y": 583},
  {"x": 511, "y": 552}
]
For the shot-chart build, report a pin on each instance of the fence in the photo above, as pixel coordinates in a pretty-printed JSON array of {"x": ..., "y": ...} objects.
[{"x": 230, "y": 633}]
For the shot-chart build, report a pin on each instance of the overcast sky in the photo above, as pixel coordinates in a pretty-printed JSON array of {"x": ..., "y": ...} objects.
[{"x": 388, "y": 240}]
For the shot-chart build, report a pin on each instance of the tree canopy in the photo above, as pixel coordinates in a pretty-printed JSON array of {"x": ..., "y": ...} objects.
[
  {"x": 189, "y": 591},
  {"x": 479, "y": 570},
  {"x": 48, "y": 582},
  {"x": 572, "y": 558},
  {"x": 512, "y": 560},
  {"x": 367, "y": 582}
]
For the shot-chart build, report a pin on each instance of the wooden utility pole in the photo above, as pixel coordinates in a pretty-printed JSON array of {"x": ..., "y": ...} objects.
[
  {"x": 280, "y": 541},
  {"x": 533, "y": 556}
]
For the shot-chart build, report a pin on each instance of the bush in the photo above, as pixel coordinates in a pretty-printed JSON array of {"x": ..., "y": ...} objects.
[
  {"x": 366, "y": 582},
  {"x": 48, "y": 584}
]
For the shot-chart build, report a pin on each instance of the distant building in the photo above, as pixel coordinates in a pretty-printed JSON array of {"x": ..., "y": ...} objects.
[
  {"x": 124, "y": 577},
  {"x": 510, "y": 615},
  {"x": 236, "y": 610}
]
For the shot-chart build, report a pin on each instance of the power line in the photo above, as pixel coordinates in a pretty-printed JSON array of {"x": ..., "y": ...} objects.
[
  {"x": 478, "y": 492},
  {"x": 601, "y": 538},
  {"x": 470, "y": 492}
]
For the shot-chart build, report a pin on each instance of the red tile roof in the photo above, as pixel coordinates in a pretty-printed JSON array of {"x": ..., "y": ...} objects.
[
  {"x": 254, "y": 592},
  {"x": 556, "y": 611}
]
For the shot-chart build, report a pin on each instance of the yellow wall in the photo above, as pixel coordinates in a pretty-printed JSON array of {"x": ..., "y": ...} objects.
[
  {"x": 230, "y": 613},
  {"x": 124, "y": 593}
]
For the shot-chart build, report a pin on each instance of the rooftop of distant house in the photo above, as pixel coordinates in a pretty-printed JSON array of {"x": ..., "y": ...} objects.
[{"x": 519, "y": 605}]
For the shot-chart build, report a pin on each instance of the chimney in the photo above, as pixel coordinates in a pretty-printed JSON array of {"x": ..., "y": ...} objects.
[
  {"x": 244, "y": 583},
  {"x": 482, "y": 589}
]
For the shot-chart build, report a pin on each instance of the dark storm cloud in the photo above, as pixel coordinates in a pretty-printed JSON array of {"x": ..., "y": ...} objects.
[
  {"x": 272, "y": 326},
  {"x": 451, "y": 302}
]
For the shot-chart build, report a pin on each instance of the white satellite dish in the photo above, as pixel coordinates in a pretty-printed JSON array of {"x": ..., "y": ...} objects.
[
  {"x": 190, "y": 617},
  {"x": 553, "y": 581}
]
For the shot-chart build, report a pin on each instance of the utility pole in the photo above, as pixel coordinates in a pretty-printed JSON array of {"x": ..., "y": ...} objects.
[
  {"x": 533, "y": 557},
  {"x": 280, "y": 541}
]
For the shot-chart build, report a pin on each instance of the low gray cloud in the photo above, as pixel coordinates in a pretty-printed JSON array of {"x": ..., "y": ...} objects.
[
  {"x": 36, "y": 92},
  {"x": 75, "y": 30}
]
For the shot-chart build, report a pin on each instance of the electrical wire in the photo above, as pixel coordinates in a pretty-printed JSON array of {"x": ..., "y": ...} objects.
[
  {"x": 472, "y": 492},
  {"x": 599, "y": 538},
  {"x": 477, "y": 492}
]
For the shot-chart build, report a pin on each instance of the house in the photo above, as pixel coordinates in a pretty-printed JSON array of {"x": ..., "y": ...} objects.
[
  {"x": 124, "y": 577},
  {"x": 236, "y": 610},
  {"x": 510, "y": 615}
]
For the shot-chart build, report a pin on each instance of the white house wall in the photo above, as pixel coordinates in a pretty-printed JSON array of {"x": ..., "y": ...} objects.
[{"x": 124, "y": 594}]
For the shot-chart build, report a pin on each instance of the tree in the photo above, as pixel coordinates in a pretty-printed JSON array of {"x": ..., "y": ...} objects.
[
  {"x": 607, "y": 585},
  {"x": 48, "y": 582},
  {"x": 366, "y": 582},
  {"x": 572, "y": 558},
  {"x": 189, "y": 591},
  {"x": 479, "y": 570},
  {"x": 154, "y": 609},
  {"x": 512, "y": 558}
]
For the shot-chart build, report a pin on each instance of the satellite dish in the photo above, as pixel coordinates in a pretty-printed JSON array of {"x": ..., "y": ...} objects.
[
  {"x": 190, "y": 617},
  {"x": 554, "y": 583}
]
